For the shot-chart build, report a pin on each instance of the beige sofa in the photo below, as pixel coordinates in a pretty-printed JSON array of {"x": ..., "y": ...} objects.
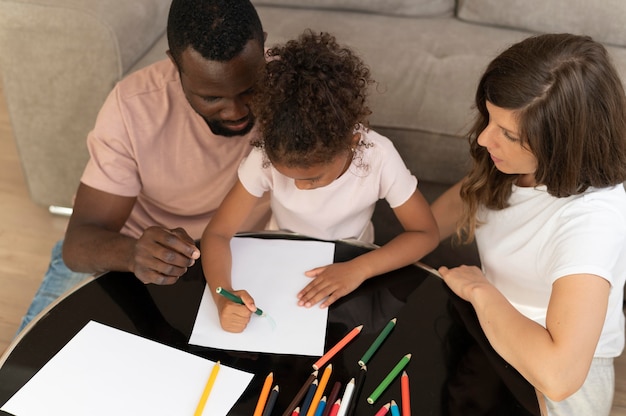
[{"x": 60, "y": 58}]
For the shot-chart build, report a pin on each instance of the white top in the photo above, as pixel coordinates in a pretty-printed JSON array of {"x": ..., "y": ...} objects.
[
  {"x": 526, "y": 247},
  {"x": 342, "y": 209}
]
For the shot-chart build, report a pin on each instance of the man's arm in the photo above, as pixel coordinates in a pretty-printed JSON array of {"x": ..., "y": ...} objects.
[{"x": 93, "y": 243}]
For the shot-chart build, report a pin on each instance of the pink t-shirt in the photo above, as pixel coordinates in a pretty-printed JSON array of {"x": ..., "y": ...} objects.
[{"x": 149, "y": 143}]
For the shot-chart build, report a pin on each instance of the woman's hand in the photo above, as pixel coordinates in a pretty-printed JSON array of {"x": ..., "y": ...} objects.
[
  {"x": 463, "y": 280},
  {"x": 331, "y": 282}
]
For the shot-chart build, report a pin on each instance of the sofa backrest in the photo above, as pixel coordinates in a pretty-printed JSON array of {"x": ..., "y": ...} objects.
[
  {"x": 604, "y": 21},
  {"x": 389, "y": 7}
]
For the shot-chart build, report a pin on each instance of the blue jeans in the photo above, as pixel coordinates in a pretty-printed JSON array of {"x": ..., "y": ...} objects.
[{"x": 57, "y": 280}]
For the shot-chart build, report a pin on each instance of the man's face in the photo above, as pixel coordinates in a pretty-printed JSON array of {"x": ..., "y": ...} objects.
[{"x": 220, "y": 91}]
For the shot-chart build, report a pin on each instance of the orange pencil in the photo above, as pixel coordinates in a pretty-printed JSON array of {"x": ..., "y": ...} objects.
[
  {"x": 349, "y": 337},
  {"x": 406, "y": 394},
  {"x": 320, "y": 390},
  {"x": 265, "y": 391},
  {"x": 335, "y": 409}
]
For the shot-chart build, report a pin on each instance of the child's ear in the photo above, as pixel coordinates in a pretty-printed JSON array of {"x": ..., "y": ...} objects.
[{"x": 355, "y": 140}]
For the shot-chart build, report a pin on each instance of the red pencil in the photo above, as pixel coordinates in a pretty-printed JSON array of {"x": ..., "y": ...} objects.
[
  {"x": 296, "y": 412},
  {"x": 335, "y": 409},
  {"x": 324, "y": 358},
  {"x": 406, "y": 394},
  {"x": 383, "y": 410}
]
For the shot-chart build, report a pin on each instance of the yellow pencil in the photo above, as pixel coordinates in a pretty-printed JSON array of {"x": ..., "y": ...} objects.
[
  {"x": 265, "y": 391},
  {"x": 207, "y": 389}
]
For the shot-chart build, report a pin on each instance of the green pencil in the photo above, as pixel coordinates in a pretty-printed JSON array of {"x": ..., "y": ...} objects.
[
  {"x": 387, "y": 380},
  {"x": 234, "y": 298},
  {"x": 377, "y": 342}
]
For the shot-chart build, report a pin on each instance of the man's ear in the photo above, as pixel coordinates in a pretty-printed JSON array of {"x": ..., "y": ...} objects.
[{"x": 169, "y": 54}]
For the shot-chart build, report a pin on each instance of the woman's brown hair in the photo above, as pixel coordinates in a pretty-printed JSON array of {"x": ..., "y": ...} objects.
[{"x": 571, "y": 111}]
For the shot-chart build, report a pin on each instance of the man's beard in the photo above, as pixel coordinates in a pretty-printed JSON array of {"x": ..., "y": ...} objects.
[{"x": 218, "y": 128}]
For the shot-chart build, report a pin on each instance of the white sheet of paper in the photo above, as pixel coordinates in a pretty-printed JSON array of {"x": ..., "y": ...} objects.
[
  {"x": 272, "y": 271},
  {"x": 103, "y": 371}
]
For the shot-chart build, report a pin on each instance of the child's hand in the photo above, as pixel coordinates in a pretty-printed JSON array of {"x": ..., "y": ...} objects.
[
  {"x": 233, "y": 316},
  {"x": 331, "y": 282}
]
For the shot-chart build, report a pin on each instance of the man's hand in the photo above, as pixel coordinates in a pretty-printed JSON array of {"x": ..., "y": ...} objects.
[{"x": 161, "y": 256}]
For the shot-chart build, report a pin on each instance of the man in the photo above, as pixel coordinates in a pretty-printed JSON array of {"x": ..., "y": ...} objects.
[{"x": 164, "y": 152}]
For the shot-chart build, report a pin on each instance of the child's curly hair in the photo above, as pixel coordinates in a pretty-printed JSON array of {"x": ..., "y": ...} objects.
[{"x": 309, "y": 101}]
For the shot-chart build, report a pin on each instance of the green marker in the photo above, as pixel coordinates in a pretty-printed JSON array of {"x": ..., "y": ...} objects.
[
  {"x": 387, "y": 380},
  {"x": 377, "y": 342},
  {"x": 234, "y": 298}
]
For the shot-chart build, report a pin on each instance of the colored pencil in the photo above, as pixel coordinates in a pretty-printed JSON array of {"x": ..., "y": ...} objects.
[
  {"x": 406, "y": 394},
  {"x": 344, "y": 341},
  {"x": 271, "y": 401},
  {"x": 335, "y": 409},
  {"x": 383, "y": 410},
  {"x": 334, "y": 394},
  {"x": 234, "y": 298},
  {"x": 395, "y": 411},
  {"x": 298, "y": 397},
  {"x": 320, "y": 407},
  {"x": 308, "y": 398},
  {"x": 320, "y": 390},
  {"x": 207, "y": 389},
  {"x": 345, "y": 399},
  {"x": 360, "y": 381},
  {"x": 265, "y": 391},
  {"x": 296, "y": 412},
  {"x": 377, "y": 342},
  {"x": 387, "y": 380}
]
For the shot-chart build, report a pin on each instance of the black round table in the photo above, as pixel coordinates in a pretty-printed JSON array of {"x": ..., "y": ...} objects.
[{"x": 453, "y": 369}]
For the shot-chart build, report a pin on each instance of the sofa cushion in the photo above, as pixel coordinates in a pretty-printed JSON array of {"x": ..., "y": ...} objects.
[
  {"x": 131, "y": 27},
  {"x": 602, "y": 20},
  {"x": 389, "y": 7}
]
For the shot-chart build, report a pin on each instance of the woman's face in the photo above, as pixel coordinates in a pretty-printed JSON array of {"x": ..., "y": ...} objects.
[{"x": 502, "y": 141}]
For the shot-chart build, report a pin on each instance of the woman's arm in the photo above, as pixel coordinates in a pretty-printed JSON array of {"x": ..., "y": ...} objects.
[
  {"x": 555, "y": 359},
  {"x": 217, "y": 258},
  {"x": 447, "y": 210}
]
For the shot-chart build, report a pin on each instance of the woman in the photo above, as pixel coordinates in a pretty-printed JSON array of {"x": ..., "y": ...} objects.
[{"x": 546, "y": 203}]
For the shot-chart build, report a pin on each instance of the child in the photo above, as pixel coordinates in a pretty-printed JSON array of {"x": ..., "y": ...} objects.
[
  {"x": 546, "y": 204},
  {"x": 325, "y": 170}
]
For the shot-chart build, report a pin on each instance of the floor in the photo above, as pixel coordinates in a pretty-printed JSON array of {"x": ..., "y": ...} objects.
[{"x": 28, "y": 232}]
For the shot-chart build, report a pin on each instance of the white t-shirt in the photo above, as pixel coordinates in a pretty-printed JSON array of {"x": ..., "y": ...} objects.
[
  {"x": 526, "y": 247},
  {"x": 343, "y": 209}
]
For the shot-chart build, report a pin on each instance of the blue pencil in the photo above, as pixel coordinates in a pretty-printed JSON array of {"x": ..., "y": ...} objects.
[
  {"x": 320, "y": 407},
  {"x": 395, "y": 411},
  {"x": 308, "y": 398}
]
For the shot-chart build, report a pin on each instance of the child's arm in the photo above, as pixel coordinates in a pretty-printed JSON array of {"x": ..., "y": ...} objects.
[
  {"x": 419, "y": 238},
  {"x": 217, "y": 258}
]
